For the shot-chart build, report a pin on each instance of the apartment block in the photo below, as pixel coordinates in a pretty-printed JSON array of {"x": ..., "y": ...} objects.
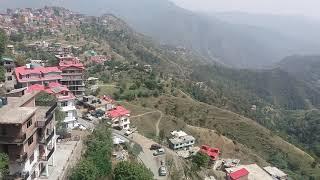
[
  {"x": 27, "y": 135},
  {"x": 9, "y": 66},
  {"x": 72, "y": 74},
  {"x": 66, "y": 100},
  {"x": 120, "y": 118},
  {"x": 29, "y": 75}
]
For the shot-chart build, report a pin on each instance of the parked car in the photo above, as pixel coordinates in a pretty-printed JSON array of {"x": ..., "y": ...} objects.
[
  {"x": 88, "y": 117},
  {"x": 155, "y": 147},
  {"x": 128, "y": 132},
  {"x": 159, "y": 152},
  {"x": 162, "y": 171}
]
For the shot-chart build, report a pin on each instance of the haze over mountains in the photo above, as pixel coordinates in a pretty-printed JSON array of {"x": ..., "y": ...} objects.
[{"x": 242, "y": 41}]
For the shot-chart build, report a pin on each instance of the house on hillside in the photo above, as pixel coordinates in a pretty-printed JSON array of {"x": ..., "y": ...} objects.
[
  {"x": 120, "y": 118},
  {"x": 28, "y": 137},
  {"x": 276, "y": 173},
  {"x": 241, "y": 174},
  {"x": 66, "y": 100},
  {"x": 30, "y": 74},
  {"x": 213, "y": 153},
  {"x": 254, "y": 173},
  {"x": 181, "y": 140},
  {"x": 72, "y": 74},
  {"x": 10, "y": 80}
]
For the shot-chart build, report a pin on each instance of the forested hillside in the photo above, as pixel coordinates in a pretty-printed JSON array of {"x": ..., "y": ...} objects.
[
  {"x": 228, "y": 43},
  {"x": 275, "y": 93},
  {"x": 306, "y": 68}
]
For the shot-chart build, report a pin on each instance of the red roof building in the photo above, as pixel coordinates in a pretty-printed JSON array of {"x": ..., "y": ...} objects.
[
  {"x": 72, "y": 74},
  {"x": 213, "y": 153},
  {"x": 119, "y": 117},
  {"x": 66, "y": 100},
  {"x": 29, "y": 75},
  {"x": 61, "y": 92},
  {"x": 241, "y": 174}
]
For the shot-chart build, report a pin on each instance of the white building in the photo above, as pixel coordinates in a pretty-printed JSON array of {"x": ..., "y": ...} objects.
[
  {"x": 66, "y": 100},
  {"x": 276, "y": 173},
  {"x": 120, "y": 118},
  {"x": 181, "y": 140}
]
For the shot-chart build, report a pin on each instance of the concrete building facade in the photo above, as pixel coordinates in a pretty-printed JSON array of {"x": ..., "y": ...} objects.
[{"x": 27, "y": 135}]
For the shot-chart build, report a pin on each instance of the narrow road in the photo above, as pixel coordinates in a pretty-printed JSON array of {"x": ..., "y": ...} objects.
[
  {"x": 158, "y": 123},
  {"x": 146, "y": 156},
  {"x": 143, "y": 114}
]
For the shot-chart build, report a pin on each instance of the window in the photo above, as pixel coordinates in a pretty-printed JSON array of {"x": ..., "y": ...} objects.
[
  {"x": 3, "y": 130},
  {"x": 31, "y": 158},
  {"x": 28, "y": 76},
  {"x": 9, "y": 78},
  {"x": 30, "y": 140},
  {"x": 64, "y": 104},
  {"x": 29, "y": 123},
  {"x": 9, "y": 70}
]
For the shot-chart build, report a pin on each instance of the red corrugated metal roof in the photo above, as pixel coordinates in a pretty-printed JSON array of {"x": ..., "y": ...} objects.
[
  {"x": 37, "y": 70},
  {"x": 213, "y": 153},
  {"x": 238, "y": 174},
  {"x": 66, "y": 62},
  {"x": 52, "y": 88},
  {"x": 118, "y": 112}
]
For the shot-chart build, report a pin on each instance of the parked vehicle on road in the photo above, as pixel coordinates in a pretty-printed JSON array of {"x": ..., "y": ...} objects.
[
  {"x": 162, "y": 171},
  {"x": 128, "y": 132},
  {"x": 155, "y": 147},
  {"x": 159, "y": 152}
]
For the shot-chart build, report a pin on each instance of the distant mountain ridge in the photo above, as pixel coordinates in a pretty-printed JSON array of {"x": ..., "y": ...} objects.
[
  {"x": 239, "y": 46},
  {"x": 306, "y": 68}
]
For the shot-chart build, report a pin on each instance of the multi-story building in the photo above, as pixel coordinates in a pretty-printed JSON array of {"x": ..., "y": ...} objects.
[
  {"x": 66, "y": 100},
  {"x": 120, "y": 118},
  {"x": 10, "y": 80},
  {"x": 72, "y": 74},
  {"x": 181, "y": 140},
  {"x": 27, "y": 135},
  {"x": 29, "y": 75}
]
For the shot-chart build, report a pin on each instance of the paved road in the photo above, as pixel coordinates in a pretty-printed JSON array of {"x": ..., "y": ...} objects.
[{"x": 146, "y": 156}]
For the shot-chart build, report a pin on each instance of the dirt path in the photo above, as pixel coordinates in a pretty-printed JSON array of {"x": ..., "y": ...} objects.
[
  {"x": 158, "y": 123},
  {"x": 139, "y": 115}
]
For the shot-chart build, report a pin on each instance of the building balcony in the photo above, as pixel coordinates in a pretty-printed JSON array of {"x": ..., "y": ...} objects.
[
  {"x": 69, "y": 119},
  {"x": 22, "y": 158},
  {"x": 22, "y": 176},
  {"x": 43, "y": 122},
  {"x": 72, "y": 78},
  {"x": 18, "y": 139},
  {"x": 47, "y": 157},
  {"x": 47, "y": 139},
  {"x": 68, "y": 108}
]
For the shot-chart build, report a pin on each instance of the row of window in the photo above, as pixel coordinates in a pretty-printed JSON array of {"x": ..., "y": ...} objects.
[{"x": 190, "y": 142}]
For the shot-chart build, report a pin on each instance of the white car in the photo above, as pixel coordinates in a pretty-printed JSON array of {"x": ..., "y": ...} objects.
[
  {"x": 128, "y": 132},
  {"x": 162, "y": 171},
  {"x": 159, "y": 152}
]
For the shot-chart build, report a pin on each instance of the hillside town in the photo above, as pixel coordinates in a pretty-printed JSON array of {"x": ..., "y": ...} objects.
[{"x": 37, "y": 93}]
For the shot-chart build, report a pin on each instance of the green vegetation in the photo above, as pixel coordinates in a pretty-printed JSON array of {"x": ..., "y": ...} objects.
[
  {"x": 2, "y": 51},
  {"x": 3, "y": 42},
  {"x": 200, "y": 160},
  {"x": 96, "y": 162},
  {"x": 45, "y": 99},
  {"x": 132, "y": 171},
  {"x": 240, "y": 129},
  {"x": 4, "y": 163}
]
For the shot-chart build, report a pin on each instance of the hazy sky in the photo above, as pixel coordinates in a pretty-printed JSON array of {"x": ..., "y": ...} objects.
[{"x": 293, "y": 7}]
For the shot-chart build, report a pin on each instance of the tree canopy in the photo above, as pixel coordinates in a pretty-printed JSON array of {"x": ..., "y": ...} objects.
[{"x": 132, "y": 171}]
